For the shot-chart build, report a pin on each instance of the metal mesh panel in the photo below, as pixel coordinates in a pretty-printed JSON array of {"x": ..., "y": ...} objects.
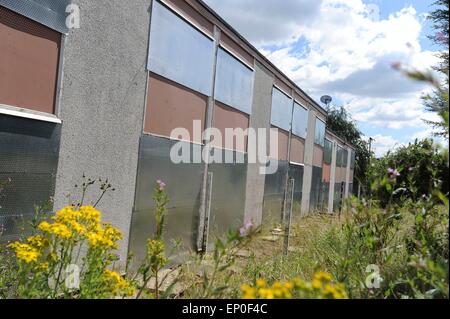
[
  {"x": 183, "y": 187},
  {"x": 316, "y": 184},
  {"x": 51, "y": 13},
  {"x": 29, "y": 152},
  {"x": 324, "y": 195},
  {"x": 227, "y": 196},
  {"x": 338, "y": 194},
  {"x": 296, "y": 172},
  {"x": 274, "y": 193}
]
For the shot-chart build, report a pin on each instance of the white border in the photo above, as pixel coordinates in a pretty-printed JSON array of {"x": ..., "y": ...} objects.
[
  {"x": 24, "y": 113},
  {"x": 186, "y": 18}
]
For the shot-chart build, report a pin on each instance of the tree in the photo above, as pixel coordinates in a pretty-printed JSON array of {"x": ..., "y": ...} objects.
[
  {"x": 437, "y": 102},
  {"x": 340, "y": 122}
]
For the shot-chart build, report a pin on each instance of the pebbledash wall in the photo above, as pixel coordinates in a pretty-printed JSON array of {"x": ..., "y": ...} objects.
[{"x": 103, "y": 99}]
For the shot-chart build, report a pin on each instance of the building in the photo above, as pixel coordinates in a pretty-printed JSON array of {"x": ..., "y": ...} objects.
[{"x": 102, "y": 100}]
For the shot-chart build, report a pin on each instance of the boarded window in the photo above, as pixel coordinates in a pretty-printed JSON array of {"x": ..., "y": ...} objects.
[
  {"x": 227, "y": 118},
  {"x": 328, "y": 151},
  {"x": 345, "y": 158},
  {"x": 297, "y": 150},
  {"x": 319, "y": 135},
  {"x": 339, "y": 156},
  {"x": 29, "y": 62},
  {"x": 281, "y": 110},
  {"x": 234, "y": 82},
  {"x": 283, "y": 143},
  {"x": 352, "y": 160},
  {"x": 170, "y": 106},
  {"x": 300, "y": 121},
  {"x": 317, "y": 156},
  {"x": 180, "y": 52}
]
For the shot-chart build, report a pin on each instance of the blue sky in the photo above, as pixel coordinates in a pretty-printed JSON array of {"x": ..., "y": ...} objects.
[{"x": 345, "y": 48}]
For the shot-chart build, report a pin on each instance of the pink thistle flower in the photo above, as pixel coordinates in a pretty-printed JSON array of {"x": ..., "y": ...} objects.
[
  {"x": 245, "y": 229},
  {"x": 161, "y": 185}
]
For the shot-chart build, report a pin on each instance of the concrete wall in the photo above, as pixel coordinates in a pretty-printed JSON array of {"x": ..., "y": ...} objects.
[
  {"x": 102, "y": 104},
  {"x": 260, "y": 118},
  {"x": 347, "y": 172},
  {"x": 332, "y": 177},
  {"x": 309, "y": 157}
]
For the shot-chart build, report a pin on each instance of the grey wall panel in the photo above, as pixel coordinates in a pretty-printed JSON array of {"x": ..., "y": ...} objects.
[
  {"x": 29, "y": 158},
  {"x": 183, "y": 188},
  {"x": 281, "y": 114},
  {"x": 180, "y": 52},
  {"x": 316, "y": 185},
  {"x": 338, "y": 195},
  {"x": 234, "y": 82},
  {"x": 102, "y": 104},
  {"x": 296, "y": 172},
  {"x": 51, "y": 13},
  {"x": 228, "y": 197},
  {"x": 274, "y": 194},
  {"x": 324, "y": 196}
]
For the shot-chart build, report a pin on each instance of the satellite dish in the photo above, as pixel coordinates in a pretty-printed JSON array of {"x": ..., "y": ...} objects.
[{"x": 326, "y": 99}]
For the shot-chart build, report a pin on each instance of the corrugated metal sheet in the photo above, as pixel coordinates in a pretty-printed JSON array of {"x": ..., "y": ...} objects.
[
  {"x": 316, "y": 184},
  {"x": 227, "y": 196},
  {"x": 274, "y": 194},
  {"x": 296, "y": 173},
  {"x": 51, "y": 13},
  {"x": 183, "y": 187},
  {"x": 29, "y": 153}
]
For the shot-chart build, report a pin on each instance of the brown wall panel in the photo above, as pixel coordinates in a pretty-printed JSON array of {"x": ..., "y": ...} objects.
[
  {"x": 193, "y": 15},
  {"x": 228, "y": 117},
  {"x": 170, "y": 105},
  {"x": 326, "y": 173},
  {"x": 318, "y": 156},
  {"x": 282, "y": 85},
  {"x": 283, "y": 140},
  {"x": 297, "y": 149},
  {"x": 300, "y": 99},
  {"x": 352, "y": 174},
  {"x": 236, "y": 49},
  {"x": 28, "y": 63}
]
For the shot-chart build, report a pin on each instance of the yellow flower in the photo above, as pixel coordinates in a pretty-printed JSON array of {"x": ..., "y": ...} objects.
[
  {"x": 266, "y": 293},
  {"x": 316, "y": 284},
  {"x": 248, "y": 292},
  {"x": 90, "y": 214},
  {"x": 67, "y": 215},
  {"x": 57, "y": 229},
  {"x": 261, "y": 283},
  {"x": 25, "y": 252},
  {"x": 289, "y": 285},
  {"x": 323, "y": 276},
  {"x": 106, "y": 237},
  {"x": 43, "y": 266},
  {"x": 37, "y": 242},
  {"x": 117, "y": 284}
]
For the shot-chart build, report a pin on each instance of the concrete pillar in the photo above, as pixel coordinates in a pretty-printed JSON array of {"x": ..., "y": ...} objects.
[
  {"x": 260, "y": 118},
  {"x": 347, "y": 172},
  {"x": 102, "y": 105},
  {"x": 309, "y": 155},
  {"x": 332, "y": 177}
]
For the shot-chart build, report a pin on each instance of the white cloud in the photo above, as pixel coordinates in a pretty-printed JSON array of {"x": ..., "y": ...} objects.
[
  {"x": 342, "y": 48},
  {"x": 268, "y": 21},
  {"x": 382, "y": 144}
]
